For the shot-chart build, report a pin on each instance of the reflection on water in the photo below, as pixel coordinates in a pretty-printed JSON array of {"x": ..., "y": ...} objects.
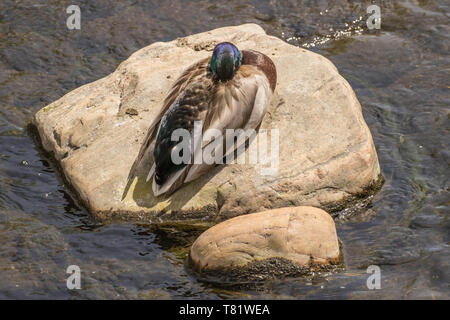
[{"x": 400, "y": 74}]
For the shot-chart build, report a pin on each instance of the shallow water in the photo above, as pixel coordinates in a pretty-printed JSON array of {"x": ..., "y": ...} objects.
[{"x": 400, "y": 74}]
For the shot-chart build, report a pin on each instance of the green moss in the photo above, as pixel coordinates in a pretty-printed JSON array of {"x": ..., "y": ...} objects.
[
  {"x": 48, "y": 108},
  {"x": 259, "y": 271},
  {"x": 356, "y": 201},
  {"x": 180, "y": 252}
]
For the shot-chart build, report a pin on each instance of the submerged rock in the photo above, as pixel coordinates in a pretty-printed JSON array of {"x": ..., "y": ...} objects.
[
  {"x": 326, "y": 152},
  {"x": 286, "y": 241}
]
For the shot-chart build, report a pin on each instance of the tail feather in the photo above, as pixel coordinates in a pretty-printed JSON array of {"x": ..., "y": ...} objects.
[
  {"x": 172, "y": 184},
  {"x": 142, "y": 151},
  {"x": 151, "y": 172}
]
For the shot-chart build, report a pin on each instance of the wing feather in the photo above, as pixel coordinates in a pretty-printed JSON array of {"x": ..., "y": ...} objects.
[
  {"x": 236, "y": 104},
  {"x": 250, "y": 99},
  {"x": 189, "y": 75}
]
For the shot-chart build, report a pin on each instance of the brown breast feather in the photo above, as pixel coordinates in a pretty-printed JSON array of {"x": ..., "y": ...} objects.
[{"x": 262, "y": 62}]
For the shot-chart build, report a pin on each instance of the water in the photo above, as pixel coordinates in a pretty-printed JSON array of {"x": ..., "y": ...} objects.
[{"x": 400, "y": 74}]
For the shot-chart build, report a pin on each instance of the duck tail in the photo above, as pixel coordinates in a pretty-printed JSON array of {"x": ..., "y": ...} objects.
[
  {"x": 172, "y": 184},
  {"x": 142, "y": 151}
]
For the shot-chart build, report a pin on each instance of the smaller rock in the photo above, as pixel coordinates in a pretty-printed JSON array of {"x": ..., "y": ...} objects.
[{"x": 279, "y": 242}]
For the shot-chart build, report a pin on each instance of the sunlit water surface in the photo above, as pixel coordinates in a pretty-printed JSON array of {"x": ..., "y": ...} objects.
[{"x": 400, "y": 74}]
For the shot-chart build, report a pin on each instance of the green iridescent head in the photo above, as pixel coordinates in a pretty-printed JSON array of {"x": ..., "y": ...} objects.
[{"x": 225, "y": 61}]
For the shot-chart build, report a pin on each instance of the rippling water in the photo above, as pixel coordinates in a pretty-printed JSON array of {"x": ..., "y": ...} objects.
[{"x": 400, "y": 74}]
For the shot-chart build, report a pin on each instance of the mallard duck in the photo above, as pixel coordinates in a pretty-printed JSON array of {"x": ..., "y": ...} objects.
[{"x": 230, "y": 90}]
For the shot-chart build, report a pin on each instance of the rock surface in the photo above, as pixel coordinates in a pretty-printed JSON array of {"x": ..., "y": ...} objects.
[
  {"x": 326, "y": 152},
  {"x": 303, "y": 236}
]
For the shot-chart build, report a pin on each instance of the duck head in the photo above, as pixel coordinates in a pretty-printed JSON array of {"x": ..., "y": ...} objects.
[{"x": 225, "y": 61}]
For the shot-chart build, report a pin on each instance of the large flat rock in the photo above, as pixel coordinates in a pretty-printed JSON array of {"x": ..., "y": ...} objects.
[{"x": 326, "y": 152}]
